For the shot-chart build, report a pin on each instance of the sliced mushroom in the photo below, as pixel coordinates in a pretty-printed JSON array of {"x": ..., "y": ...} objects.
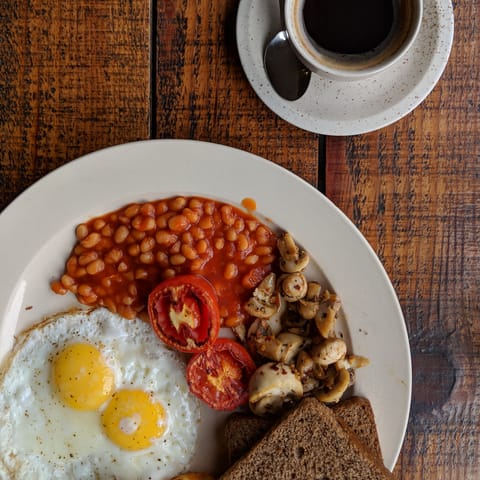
[
  {"x": 329, "y": 351},
  {"x": 335, "y": 394},
  {"x": 326, "y": 317},
  {"x": 352, "y": 362},
  {"x": 264, "y": 302},
  {"x": 309, "y": 306},
  {"x": 293, "y": 259},
  {"x": 282, "y": 348},
  {"x": 294, "y": 286},
  {"x": 272, "y": 387}
]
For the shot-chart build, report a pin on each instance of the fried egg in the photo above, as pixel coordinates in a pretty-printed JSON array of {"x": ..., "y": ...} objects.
[{"x": 88, "y": 394}]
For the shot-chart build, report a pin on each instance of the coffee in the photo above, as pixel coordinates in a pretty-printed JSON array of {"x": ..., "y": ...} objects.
[{"x": 348, "y": 26}]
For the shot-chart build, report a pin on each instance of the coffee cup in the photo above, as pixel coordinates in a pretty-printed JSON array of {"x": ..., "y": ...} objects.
[{"x": 351, "y": 39}]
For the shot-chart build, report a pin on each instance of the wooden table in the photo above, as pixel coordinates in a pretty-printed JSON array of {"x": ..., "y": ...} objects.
[{"x": 79, "y": 76}]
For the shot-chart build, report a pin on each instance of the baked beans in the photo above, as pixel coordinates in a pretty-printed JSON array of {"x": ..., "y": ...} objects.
[{"x": 122, "y": 255}]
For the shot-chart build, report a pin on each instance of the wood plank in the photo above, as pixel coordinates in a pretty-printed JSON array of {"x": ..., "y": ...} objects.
[
  {"x": 203, "y": 94},
  {"x": 413, "y": 190},
  {"x": 74, "y": 77}
]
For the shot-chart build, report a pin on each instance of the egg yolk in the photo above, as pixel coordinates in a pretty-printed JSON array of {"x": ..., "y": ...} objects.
[
  {"x": 132, "y": 419},
  {"x": 83, "y": 379}
]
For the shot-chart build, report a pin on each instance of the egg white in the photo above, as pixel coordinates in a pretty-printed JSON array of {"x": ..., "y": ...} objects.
[{"x": 42, "y": 438}]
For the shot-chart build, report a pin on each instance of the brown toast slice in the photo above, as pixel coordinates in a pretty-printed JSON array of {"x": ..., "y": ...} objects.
[
  {"x": 358, "y": 414},
  {"x": 309, "y": 443},
  {"x": 243, "y": 430}
]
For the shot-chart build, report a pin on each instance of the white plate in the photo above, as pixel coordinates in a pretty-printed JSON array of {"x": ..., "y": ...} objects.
[
  {"x": 347, "y": 108},
  {"x": 37, "y": 232}
]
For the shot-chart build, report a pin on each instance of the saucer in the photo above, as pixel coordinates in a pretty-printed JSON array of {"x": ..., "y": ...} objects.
[{"x": 331, "y": 107}]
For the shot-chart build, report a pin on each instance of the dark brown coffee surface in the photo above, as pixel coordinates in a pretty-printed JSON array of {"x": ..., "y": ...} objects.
[{"x": 348, "y": 26}]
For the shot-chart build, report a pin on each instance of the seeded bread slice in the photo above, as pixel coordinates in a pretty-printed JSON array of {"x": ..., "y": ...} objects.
[
  {"x": 309, "y": 443},
  {"x": 243, "y": 430}
]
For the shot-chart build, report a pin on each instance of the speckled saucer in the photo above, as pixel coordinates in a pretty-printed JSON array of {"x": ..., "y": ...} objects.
[{"x": 334, "y": 107}]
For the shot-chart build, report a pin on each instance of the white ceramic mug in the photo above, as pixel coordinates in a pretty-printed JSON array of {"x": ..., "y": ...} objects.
[{"x": 354, "y": 44}]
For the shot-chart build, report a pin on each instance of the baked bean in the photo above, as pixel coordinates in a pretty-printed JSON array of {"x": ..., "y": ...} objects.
[
  {"x": 177, "y": 259},
  {"x": 231, "y": 235},
  {"x": 137, "y": 235},
  {"x": 195, "y": 203},
  {"x": 132, "y": 210},
  {"x": 122, "y": 267},
  {"x": 121, "y": 234},
  {"x": 188, "y": 252},
  {"x": 85, "y": 290},
  {"x": 67, "y": 281},
  {"x": 123, "y": 219},
  {"x": 79, "y": 272},
  {"x": 166, "y": 238},
  {"x": 175, "y": 248},
  {"x": 251, "y": 259},
  {"x": 107, "y": 282},
  {"x": 87, "y": 257},
  {"x": 91, "y": 240},
  {"x": 197, "y": 265},
  {"x": 262, "y": 234},
  {"x": 193, "y": 217},
  {"x": 169, "y": 273},
  {"x": 143, "y": 223},
  {"x": 231, "y": 271},
  {"x": 78, "y": 250},
  {"x": 134, "y": 249},
  {"x": 58, "y": 288},
  {"x": 126, "y": 312},
  {"x": 162, "y": 220},
  {"x": 202, "y": 246},
  {"x": 88, "y": 300},
  {"x": 178, "y": 223},
  {"x": 227, "y": 215},
  {"x": 263, "y": 250},
  {"x": 252, "y": 225},
  {"x": 99, "y": 224},
  {"x": 148, "y": 209},
  {"x": 206, "y": 222},
  {"x": 141, "y": 274},
  {"x": 161, "y": 207},
  {"x": 71, "y": 265},
  {"x": 132, "y": 289},
  {"x": 242, "y": 242},
  {"x": 95, "y": 267},
  {"x": 268, "y": 259},
  {"x": 219, "y": 243},
  {"x": 107, "y": 231},
  {"x": 114, "y": 255},
  {"x": 162, "y": 258},
  {"x": 209, "y": 207},
  {"x": 239, "y": 225},
  {"x": 81, "y": 231},
  {"x": 127, "y": 300},
  {"x": 177, "y": 204},
  {"x": 197, "y": 233},
  {"x": 147, "y": 258},
  {"x": 148, "y": 243},
  {"x": 187, "y": 238}
]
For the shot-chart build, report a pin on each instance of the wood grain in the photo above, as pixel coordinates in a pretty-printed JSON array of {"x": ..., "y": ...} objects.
[
  {"x": 74, "y": 77},
  {"x": 203, "y": 94},
  {"x": 413, "y": 190}
]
